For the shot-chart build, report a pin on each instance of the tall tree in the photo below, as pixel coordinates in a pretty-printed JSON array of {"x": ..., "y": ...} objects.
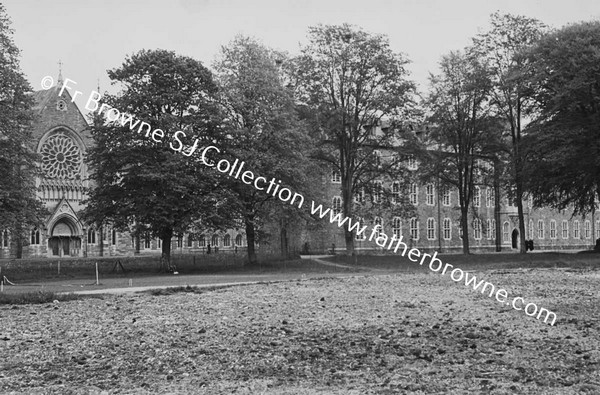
[
  {"x": 19, "y": 207},
  {"x": 349, "y": 80},
  {"x": 501, "y": 48},
  {"x": 563, "y": 167},
  {"x": 149, "y": 183},
  {"x": 264, "y": 133},
  {"x": 462, "y": 129}
]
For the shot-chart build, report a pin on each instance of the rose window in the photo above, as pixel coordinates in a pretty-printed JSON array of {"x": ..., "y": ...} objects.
[{"x": 61, "y": 157}]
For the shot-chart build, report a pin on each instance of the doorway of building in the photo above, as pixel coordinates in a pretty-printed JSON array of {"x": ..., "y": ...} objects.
[
  {"x": 63, "y": 240},
  {"x": 515, "y": 239}
]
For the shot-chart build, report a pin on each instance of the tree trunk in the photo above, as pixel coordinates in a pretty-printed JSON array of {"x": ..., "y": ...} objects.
[
  {"x": 19, "y": 241},
  {"x": 166, "y": 265},
  {"x": 347, "y": 211},
  {"x": 519, "y": 197},
  {"x": 464, "y": 222},
  {"x": 497, "y": 230},
  {"x": 250, "y": 238},
  {"x": 284, "y": 239}
]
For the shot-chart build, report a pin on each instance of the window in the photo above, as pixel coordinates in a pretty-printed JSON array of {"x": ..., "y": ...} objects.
[
  {"x": 377, "y": 226},
  {"x": 505, "y": 232},
  {"x": 179, "y": 241},
  {"x": 531, "y": 230},
  {"x": 565, "y": 229},
  {"x": 5, "y": 239},
  {"x": 429, "y": 192},
  {"x": 489, "y": 197},
  {"x": 359, "y": 197},
  {"x": 35, "y": 237},
  {"x": 238, "y": 240},
  {"x": 414, "y": 194},
  {"x": 397, "y": 227},
  {"x": 477, "y": 229},
  {"x": 336, "y": 203},
  {"x": 190, "y": 241},
  {"x": 113, "y": 237},
  {"x": 414, "y": 229},
  {"x": 360, "y": 236},
  {"x": 447, "y": 229},
  {"x": 552, "y": 229},
  {"x": 147, "y": 240},
  {"x": 201, "y": 241},
  {"x": 395, "y": 192},
  {"x": 214, "y": 241},
  {"x": 587, "y": 227},
  {"x": 376, "y": 158},
  {"x": 412, "y": 163},
  {"x": 477, "y": 197},
  {"x": 430, "y": 229},
  {"x": 488, "y": 229},
  {"x": 158, "y": 243},
  {"x": 576, "y": 229},
  {"x": 540, "y": 229},
  {"x": 494, "y": 229},
  {"x": 377, "y": 188},
  {"x": 104, "y": 233},
  {"x": 336, "y": 178},
  {"x": 460, "y": 230},
  {"x": 446, "y": 197},
  {"x": 91, "y": 236},
  {"x": 597, "y": 229},
  {"x": 530, "y": 201},
  {"x": 227, "y": 241}
]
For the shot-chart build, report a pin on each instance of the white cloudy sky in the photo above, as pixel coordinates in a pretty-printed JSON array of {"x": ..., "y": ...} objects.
[{"x": 91, "y": 36}]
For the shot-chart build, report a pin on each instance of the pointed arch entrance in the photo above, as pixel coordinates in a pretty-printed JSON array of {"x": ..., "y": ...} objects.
[
  {"x": 64, "y": 238},
  {"x": 515, "y": 239}
]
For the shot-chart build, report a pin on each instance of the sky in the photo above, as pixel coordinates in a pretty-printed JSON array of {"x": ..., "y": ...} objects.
[{"x": 91, "y": 37}]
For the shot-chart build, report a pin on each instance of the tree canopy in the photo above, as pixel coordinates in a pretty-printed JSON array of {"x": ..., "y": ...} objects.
[
  {"x": 563, "y": 167},
  {"x": 19, "y": 207},
  {"x": 142, "y": 184},
  {"x": 348, "y": 81}
]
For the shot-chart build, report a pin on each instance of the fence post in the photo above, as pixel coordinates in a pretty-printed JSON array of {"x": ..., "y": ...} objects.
[{"x": 97, "y": 283}]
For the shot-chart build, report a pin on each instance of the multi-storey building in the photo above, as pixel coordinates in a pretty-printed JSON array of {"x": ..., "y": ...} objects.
[
  {"x": 62, "y": 137},
  {"x": 435, "y": 220}
]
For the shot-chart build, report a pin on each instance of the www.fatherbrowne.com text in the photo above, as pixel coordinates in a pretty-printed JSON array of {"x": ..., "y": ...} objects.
[{"x": 274, "y": 188}]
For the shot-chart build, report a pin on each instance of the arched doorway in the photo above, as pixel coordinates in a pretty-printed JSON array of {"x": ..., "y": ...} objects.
[
  {"x": 515, "y": 239},
  {"x": 63, "y": 240}
]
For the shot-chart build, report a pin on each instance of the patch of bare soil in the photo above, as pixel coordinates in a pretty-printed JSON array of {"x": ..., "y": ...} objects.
[{"x": 405, "y": 333}]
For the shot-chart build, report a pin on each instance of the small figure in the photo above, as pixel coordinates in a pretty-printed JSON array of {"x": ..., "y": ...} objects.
[{"x": 208, "y": 249}]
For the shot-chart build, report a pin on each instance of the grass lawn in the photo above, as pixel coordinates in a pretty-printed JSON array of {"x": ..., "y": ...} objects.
[{"x": 407, "y": 332}]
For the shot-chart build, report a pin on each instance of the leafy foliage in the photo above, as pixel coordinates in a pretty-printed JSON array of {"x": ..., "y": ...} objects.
[
  {"x": 19, "y": 207},
  {"x": 142, "y": 182},
  {"x": 500, "y": 49},
  {"x": 563, "y": 166},
  {"x": 264, "y": 132},
  {"x": 464, "y": 130},
  {"x": 348, "y": 82}
]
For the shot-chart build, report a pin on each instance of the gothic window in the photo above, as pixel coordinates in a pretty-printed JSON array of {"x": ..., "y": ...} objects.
[
  {"x": 447, "y": 229},
  {"x": 91, "y": 236},
  {"x": 565, "y": 229},
  {"x": 429, "y": 193},
  {"x": 337, "y": 204},
  {"x": 414, "y": 229},
  {"x": 477, "y": 197},
  {"x": 238, "y": 240},
  {"x": 446, "y": 197},
  {"x": 397, "y": 227},
  {"x": 215, "y": 241},
  {"x": 114, "y": 237},
  {"x": 587, "y": 226},
  {"x": 477, "y": 229},
  {"x": 540, "y": 229},
  {"x": 61, "y": 157},
  {"x": 552, "y": 229},
  {"x": 5, "y": 239},
  {"x": 396, "y": 192},
  {"x": 190, "y": 241},
  {"x": 360, "y": 236},
  {"x": 414, "y": 194},
  {"x": 576, "y": 229},
  {"x": 226, "y": 241},
  {"x": 430, "y": 229},
  {"x": 377, "y": 226},
  {"x": 35, "y": 237},
  {"x": 201, "y": 241},
  {"x": 336, "y": 178}
]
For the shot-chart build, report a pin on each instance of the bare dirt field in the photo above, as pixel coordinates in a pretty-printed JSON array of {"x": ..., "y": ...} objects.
[{"x": 395, "y": 333}]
